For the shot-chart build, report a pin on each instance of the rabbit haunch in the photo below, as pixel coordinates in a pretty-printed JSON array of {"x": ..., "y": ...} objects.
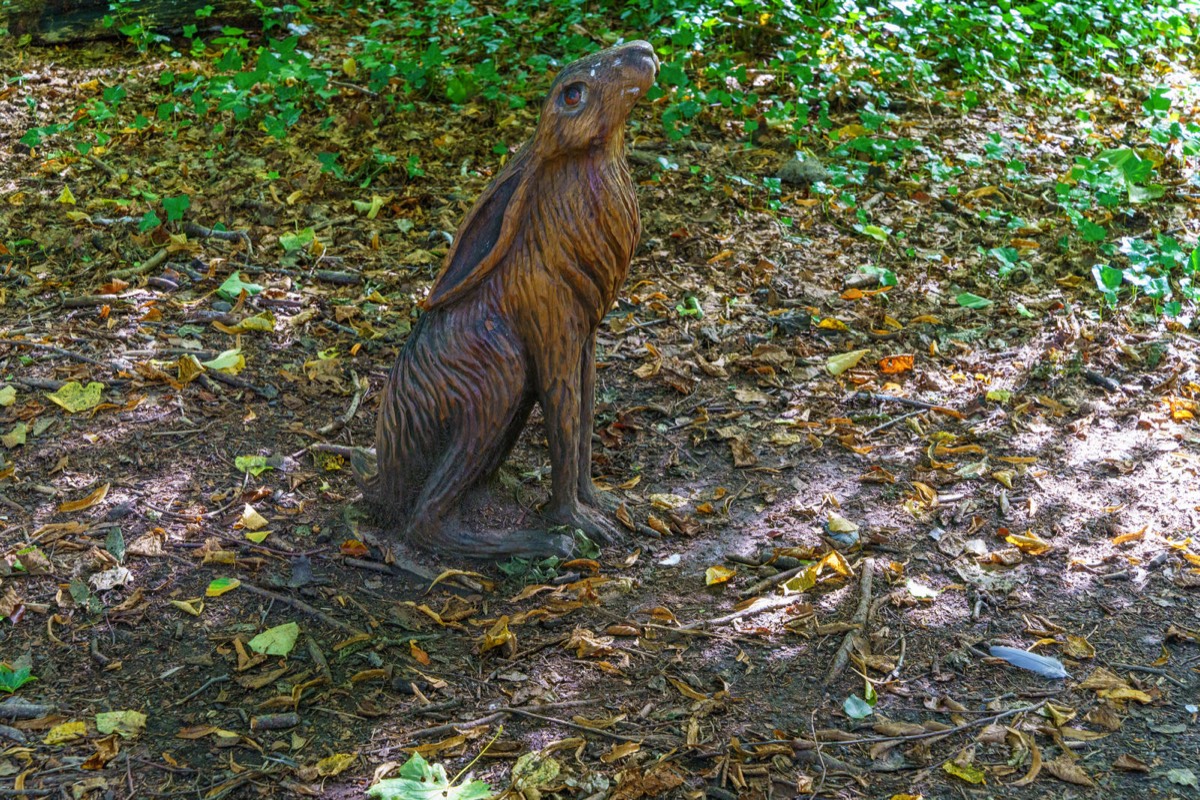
[{"x": 511, "y": 320}]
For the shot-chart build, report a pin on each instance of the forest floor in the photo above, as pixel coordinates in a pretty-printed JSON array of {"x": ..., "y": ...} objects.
[{"x": 1022, "y": 474}]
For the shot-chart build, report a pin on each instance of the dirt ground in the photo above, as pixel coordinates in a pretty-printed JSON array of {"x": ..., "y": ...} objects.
[{"x": 1031, "y": 481}]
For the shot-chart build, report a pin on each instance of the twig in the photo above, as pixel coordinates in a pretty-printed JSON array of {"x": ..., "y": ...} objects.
[
  {"x": 860, "y": 620},
  {"x": 757, "y": 607},
  {"x": 455, "y": 727},
  {"x": 345, "y": 451},
  {"x": 355, "y": 87},
  {"x": 1152, "y": 671},
  {"x": 193, "y": 229},
  {"x": 894, "y": 420},
  {"x": 361, "y": 387},
  {"x": 774, "y": 580},
  {"x": 569, "y": 724},
  {"x": 975, "y": 723},
  {"x": 147, "y": 265},
  {"x": 300, "y": 606},
  {"x": 203, "y": 687},
  {"x": 97, "y": 162},
  {"x": 87, "y": 301},
  {"x": 267, "y": 391},
  {"x": 57, "y": 351},
  {"x": 906, "y": 401}
]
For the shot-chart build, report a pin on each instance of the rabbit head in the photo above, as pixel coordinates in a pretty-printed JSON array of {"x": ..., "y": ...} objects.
[
  {"x": 583, "y": 120},
  {"x": 591, "y": 98}
]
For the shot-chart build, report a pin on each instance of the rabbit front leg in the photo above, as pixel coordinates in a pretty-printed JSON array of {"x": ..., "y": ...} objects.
[
  {"x": 587, "y": 420},
  {"x": 562, "y": 396}
]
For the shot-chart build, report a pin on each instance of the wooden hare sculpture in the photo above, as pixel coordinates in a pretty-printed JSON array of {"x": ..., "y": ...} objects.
[{"x": 511, "y": 320}]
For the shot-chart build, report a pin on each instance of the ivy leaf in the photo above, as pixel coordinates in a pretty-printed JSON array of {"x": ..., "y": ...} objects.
[
  {"x": 420, "y": 780},
  {"x": 13, "y": 679},
  {"x": 233, "y": 286},
  {"x": 968, "y": 300}
]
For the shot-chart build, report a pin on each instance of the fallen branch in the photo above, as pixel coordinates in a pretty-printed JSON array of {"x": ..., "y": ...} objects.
[
  {"x": 89, "y": 300},
  {"x": 362, "y": 385},
  {"x": 774, "y": 580},
  {"x": 57, "y": 351},
  {"x": 757, "y": 607},
  {"x": 192, "y": 229},
  {"x": 300, "y": 606},
  {"x": 893, "y": 421},
  {"x": 861, "y": 614},
  {"x": 905, "y": 401}
]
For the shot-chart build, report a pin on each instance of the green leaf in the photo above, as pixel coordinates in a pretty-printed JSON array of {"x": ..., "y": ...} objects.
[
  {"x": 149, "y": 222},
  {"x": 13, "y": 679},
  {"x": 690, "y": 308},
  {"x": 886, "y": 276},
  {"x": 292, "y": 242},
  {"x": 233, "y": 287},
  {"x": 175, "y": 206},
  {"x": 857, "y": 708},
  {"x": 255, "y": 465},
  {"x": 420, "y": 780},
  {"x": 968, "y": 300},
  {"x": 875, "y": 232},
  {"x": 277, "y": 641},
  {"x": 230, "y": 361},
  {"x": 114, "y": 543}
]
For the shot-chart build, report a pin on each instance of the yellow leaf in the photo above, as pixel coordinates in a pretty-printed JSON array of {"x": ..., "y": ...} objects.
[
  {"x": 65, "y": 197},
  {"x": 841, "y": 362},
  {"x": 1079, "y": 647},
  {"x": 66, "y": 732},
  {"x": 86, "y": 502},
  {"x": 969, "y": 773},
  {"x": 252, "y": 520},
  {"x": 335, "y": 764},
  {"x": 498, "y": 636},
  {"x": 718, "y": 574},
  {"x": 74, "y": 397},
  {"x": 668, "y": 501},
  {"x": 1029, "y": 543},
  {"x": 192, "y": 607}
]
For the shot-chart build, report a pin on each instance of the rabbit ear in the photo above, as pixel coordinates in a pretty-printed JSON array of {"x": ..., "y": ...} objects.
[{"x": 483, "y": 238}]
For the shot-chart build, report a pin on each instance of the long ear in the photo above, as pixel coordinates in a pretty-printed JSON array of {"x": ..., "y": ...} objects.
[{"x": 483, "y": 238}]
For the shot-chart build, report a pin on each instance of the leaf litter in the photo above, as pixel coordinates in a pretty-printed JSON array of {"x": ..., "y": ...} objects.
[{"x": 752, "y": 403}]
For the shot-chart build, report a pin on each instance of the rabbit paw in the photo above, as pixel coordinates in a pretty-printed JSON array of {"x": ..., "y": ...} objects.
[
  {"x": 592, "y": 522},
  {"x": 604, "y": 502}
]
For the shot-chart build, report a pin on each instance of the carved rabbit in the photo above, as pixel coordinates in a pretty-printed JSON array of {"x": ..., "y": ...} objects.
[{"x": 512, "y": 319}]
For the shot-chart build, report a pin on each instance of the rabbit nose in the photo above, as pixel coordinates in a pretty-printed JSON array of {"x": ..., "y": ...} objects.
[{"x": 646, "y": 50}]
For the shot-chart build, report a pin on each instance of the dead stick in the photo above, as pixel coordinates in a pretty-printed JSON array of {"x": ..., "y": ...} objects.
[
  {"x": 87, "y": 301},
  {"x": 300, "y": 606},
  {"x": 569, "y": 724},
  {"x": 361, "y": 386},
  {"x": 860, "y": 620},
  {"x": 57, "y": 351},
  {"x": 774, "y": 580},
  {"x": 757, "y": 607},
  {"x": 893, "y": 421},
  {"x": 906, "y": 401}
]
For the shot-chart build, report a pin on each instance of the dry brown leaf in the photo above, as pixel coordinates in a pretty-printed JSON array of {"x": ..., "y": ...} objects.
[{"x": 1067, "y": 770}]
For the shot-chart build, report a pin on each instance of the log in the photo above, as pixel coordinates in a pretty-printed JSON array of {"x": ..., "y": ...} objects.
[{"x": 51, "y": 22}]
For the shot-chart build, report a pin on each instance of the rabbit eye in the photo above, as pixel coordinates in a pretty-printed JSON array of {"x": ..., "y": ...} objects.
[{"x": 572, "y": 95}]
